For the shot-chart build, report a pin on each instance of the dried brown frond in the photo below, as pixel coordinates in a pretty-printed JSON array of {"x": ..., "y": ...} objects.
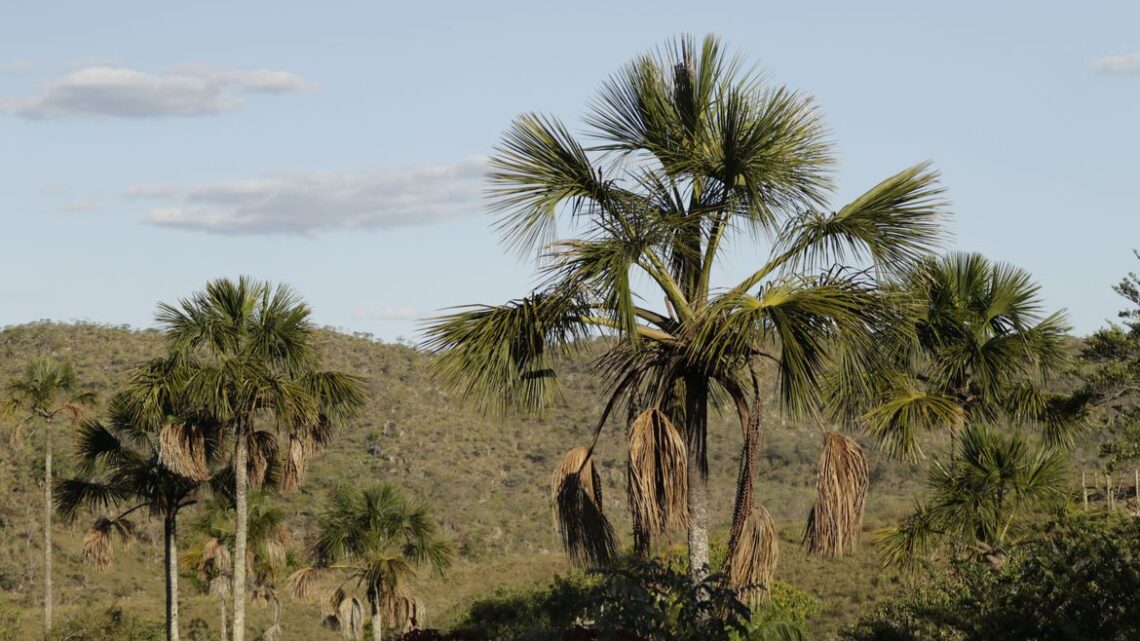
[
  {"x": 296, "y": 461},
  {"x": 576, "y": 492},
  {"x": 260, "y": 456},
  {"x": 302, "y": 583},
  {"x": 836, "y": 518},
  {"x": 351, "y": 616},
  {"x": 333, "y": 600},
  {"x": 215, "y": 558},
  {"x": 97, "y": 542},
  {"x": 752, "y": 559},
  {"x": 658, "y": 474},
  {"x": 405, "y": 612},
  {"x": 16, "y": 438},
  {"x": 753, "y": 549},
  {"x": 220, "y": 586},
  {"x": 182, "y": 449},
  {"x": 275, "y": 553}
]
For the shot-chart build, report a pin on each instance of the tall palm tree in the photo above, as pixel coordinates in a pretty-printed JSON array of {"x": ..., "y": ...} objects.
[
  {"x": 121, "y": 466},
  {"x": 377, "y": 538},
  {"x": 45, "y": 391},
  {"x": 246, "y": 354},
  {"x": 981, "y": 502},
  {"x": 266, "y": 558},
  {"x": 694, "y": 153}
]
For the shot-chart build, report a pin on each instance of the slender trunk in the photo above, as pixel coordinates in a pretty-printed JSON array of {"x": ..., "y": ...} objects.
[
  {"x": 377, "y": 623},
  {"x": 47, "y": 528},
  {"x": 171, "y": 533},
  {"x": 696, "y": 420},
  {"x": 222, "y": 607},
  {"x": 241, "y": 491}
]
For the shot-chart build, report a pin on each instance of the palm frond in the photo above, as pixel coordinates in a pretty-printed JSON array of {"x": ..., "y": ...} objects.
[
  {"x": 502, "y": 358},
  {"x": 836, "y": 517},
  {"x": 658, "y": 473},
  {"x": 576, "y": 493}
]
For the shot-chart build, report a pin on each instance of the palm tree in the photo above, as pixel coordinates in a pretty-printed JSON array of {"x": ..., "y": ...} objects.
[
  {"x": 974, "y": 349},
  {"x": 694, "y": 153},
  {"x": 978, "y": 349},
  {"x": 120, "y": 465},
  {"x": 47, "y": 390},
  {"x": 377, "y": 538},
  {"x": 982, "y": 501},
  {"x": 267, "y": 552},
  {"x": 246, "y": 354}
]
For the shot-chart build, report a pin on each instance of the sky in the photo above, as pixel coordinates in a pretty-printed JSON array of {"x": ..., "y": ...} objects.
[{"x": 147, "y": 147}]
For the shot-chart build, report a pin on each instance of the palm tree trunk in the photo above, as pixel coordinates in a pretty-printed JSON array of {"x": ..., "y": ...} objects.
[
  {"x": 696, "y": 426},
  {"x": 171, "y": 535},
  {"x": 377, "y": 623},
  {"x": 241, "y": 494},
  {"x": 222, "y": 605},
  {"x": 47, "y": 528}
]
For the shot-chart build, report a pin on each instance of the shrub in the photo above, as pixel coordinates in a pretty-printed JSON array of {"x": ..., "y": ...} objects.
[{"x": 1076, "y": 581}]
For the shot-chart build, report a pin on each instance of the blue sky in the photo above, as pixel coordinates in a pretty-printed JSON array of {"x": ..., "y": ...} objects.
[{"x": 149, "y": 147}]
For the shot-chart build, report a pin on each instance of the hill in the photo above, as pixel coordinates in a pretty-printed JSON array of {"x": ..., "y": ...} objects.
[{"x": 486, "y": 478}]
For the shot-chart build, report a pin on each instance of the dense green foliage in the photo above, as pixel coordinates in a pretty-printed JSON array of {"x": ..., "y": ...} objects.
[
  {"x": 1076, "y": 581},
  {"x": 635, "y": 600}
]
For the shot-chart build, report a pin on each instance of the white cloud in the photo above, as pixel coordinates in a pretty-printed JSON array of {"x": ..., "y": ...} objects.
[
  {"x": 1122, "y": 65},
  {"x": 385, "y": 314},
  {"x": 308, "y": 202},
  {"x": 120, "y": 92}
]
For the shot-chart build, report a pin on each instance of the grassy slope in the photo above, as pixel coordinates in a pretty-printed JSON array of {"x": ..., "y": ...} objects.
[{"x": 486, "y": 478}]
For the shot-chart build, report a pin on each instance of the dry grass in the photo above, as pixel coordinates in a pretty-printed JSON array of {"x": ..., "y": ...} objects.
[
  {"x": 836, "y": 518},
  {"x": 576, "y": 493}
]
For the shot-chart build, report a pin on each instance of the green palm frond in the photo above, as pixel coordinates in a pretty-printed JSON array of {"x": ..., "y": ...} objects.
[
  {"x": 907, "y": 410},
  {"x": 502, "y": 358},
  {"x": 894, "y": 225},
  {"x": 538, "y": 168}
]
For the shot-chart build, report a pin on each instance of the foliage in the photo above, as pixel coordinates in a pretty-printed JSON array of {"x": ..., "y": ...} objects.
[
  {"x": 635, "y": 600},
  {"x": 1113, "y": 385},
  {"x": 978, "y": 349},
  {"x": 981, "y": 500},
  {"x": 694, "y": 151},
  {"x": 1076, "y": 581},
  {"x": 112, "y": 624},
  {"x": 377, "y": 539}
]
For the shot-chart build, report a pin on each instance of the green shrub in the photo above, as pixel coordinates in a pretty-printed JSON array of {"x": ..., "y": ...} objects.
[
  {"x": 637, "y": 600},
  {"x": 1076, "y": 581},
  {"x": 111, "y": 624}
]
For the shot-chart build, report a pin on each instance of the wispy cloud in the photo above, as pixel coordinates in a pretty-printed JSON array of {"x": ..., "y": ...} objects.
[
  {"x": 310, "y": 202},
  {"x": 1122, "y": 65},
  {"x": 19, "y": 66},
  {"x": 79, "y": 207},
  {"x": 121, "y": 92},
  {"x": 385, "y": 314}
]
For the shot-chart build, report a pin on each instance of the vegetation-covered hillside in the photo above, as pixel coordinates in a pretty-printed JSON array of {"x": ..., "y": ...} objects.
[{"x": 487, "y": 479}]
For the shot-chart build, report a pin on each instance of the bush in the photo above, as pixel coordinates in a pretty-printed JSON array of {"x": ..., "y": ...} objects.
[
  {"x": 1077, "y": 581},
  {"x": 111, "y": 624},
  {"x": 633, "y": 602}
]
